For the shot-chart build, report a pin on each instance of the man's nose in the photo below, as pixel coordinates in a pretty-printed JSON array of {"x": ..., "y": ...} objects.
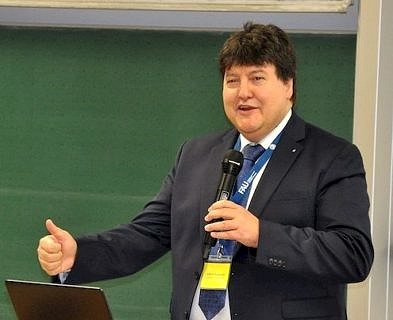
[{"x": 245, "y": 91}]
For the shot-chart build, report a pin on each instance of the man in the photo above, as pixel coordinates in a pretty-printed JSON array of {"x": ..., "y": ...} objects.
[{"x": 302, "y": 234}]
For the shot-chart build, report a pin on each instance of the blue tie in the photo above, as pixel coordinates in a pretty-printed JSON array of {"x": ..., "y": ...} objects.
[
  {"x": 212, "y": 301},
  {"x": 251, "y": 153}
]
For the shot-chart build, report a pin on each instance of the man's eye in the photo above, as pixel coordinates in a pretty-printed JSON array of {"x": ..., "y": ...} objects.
[
  {"x": 259, "y": 78},
  {"x": 232, "y": 82}
]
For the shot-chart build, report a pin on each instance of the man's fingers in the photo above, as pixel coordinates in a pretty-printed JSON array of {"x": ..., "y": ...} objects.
[
  {"x": 51, "y": 268},
  {"x": 49, "y": 244},
  {"x": 55, "y": 231},
  {"x": 221, "y": 204},
  {"x": 223, "y": 209},
  {"x": 224, "y": 225},
  {"x": 49, "y": 256}
]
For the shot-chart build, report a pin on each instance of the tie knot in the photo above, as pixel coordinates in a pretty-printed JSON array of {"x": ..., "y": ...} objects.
[{"x": 251, "y": 152}]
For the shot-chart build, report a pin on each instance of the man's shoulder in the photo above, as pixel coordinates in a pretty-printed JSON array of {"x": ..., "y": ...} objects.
[
  {"x": 315, "y": 132},
  {"x": 319, "y": 140},
  {"x": 321, "y": 133}
]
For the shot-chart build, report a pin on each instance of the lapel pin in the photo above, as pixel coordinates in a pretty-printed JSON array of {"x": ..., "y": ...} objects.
[{"x": 293, "y": 150}]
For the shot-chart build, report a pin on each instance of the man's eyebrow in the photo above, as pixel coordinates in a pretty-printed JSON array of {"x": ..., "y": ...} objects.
[
  {"x": 259, "y": 70},
  {"x": 234, "y": 74},
  {"x": 231, "y": 74}
]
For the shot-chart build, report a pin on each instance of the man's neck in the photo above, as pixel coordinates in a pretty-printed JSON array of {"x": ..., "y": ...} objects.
[{"x": 267, "y": 139}]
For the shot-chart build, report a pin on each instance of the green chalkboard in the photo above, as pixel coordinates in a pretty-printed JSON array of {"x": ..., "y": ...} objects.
[{"x": 91, "y": 121}]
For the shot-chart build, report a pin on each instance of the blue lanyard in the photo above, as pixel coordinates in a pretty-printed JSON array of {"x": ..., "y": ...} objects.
[{"x": 258, "y": 165}]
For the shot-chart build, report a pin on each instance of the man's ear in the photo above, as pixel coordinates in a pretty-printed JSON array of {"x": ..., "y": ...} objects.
[{"x": 289, "y": 88}]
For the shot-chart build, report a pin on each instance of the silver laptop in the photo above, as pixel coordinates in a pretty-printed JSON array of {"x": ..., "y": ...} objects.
[{"x": 39, "y": 301}]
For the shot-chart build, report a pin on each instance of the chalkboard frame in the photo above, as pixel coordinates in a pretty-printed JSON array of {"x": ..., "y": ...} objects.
[{"x": 199, "y": 5}]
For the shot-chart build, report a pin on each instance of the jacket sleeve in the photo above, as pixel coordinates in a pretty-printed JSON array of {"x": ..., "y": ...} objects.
[{"x": 130, "y": 247}]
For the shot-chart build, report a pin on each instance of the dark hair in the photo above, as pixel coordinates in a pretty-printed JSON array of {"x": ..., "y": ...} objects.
[{"x": 259, "y": 44}]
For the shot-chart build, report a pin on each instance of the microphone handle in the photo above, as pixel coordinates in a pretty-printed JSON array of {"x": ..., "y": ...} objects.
[{"x": 224, "y": 192}]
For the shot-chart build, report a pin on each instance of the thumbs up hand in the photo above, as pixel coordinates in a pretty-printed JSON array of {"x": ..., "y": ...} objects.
[{"x": 56, "y": 251}]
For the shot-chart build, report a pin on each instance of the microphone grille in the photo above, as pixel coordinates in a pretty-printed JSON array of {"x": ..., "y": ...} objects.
[{"x": 232, "y": 162}]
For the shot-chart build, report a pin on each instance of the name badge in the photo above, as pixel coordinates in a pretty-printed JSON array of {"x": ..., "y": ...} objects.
[{"x": 215, "y": 275}]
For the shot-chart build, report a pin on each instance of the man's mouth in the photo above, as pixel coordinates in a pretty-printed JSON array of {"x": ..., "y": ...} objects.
[{"x": 246, "y": 108}]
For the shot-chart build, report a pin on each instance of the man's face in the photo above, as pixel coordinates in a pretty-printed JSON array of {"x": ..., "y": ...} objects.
[{"x": 255, "y": 100}]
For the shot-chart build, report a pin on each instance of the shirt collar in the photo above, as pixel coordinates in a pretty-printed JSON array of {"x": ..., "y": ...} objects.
[{"x": 266, "y": 141}]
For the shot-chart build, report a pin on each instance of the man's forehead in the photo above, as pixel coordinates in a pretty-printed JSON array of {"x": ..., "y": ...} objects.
[{"x": 237, "y": 68}]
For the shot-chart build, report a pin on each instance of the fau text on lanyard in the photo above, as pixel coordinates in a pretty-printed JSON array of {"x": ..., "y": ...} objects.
[{"x": 259, "y": 163}]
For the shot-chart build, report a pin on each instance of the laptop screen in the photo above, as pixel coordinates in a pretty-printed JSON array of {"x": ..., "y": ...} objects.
[{"x": 39, "y": 300}]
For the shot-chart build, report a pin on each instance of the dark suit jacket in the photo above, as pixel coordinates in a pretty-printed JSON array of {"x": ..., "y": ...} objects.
[{"x": 314, "y": 232}]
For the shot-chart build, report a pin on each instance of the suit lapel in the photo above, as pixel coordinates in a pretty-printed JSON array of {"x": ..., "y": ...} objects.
[{"x": 287, "y": 151}]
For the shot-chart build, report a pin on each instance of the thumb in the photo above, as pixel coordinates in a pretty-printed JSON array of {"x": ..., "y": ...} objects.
[{"x": 55, "y": 231}]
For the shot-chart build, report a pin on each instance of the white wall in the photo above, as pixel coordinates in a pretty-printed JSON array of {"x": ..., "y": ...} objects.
[{"x": 373, "y": 133}]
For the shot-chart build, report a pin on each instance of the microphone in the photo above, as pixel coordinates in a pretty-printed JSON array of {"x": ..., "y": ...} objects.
[{"x": 231, "y": 165}]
